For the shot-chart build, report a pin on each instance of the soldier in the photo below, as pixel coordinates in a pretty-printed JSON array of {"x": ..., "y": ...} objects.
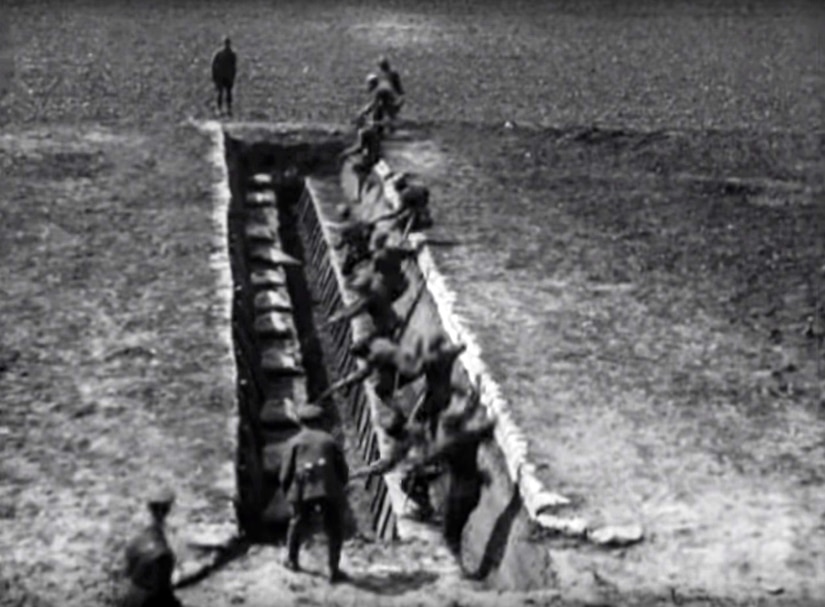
[
  {"x": 384, "y": 105},
  {"x": 415, "y": 201},
  {"x": 393, "y": 366},
  {"x": 150, "y": 561},
  {"x": 457, "y": 448},
  {"x": 368, "y": 147},
  {"x": 377, "y": 302},
  {"x": 391, "y": 76},
  {"x": 406, "y": 442},
  {"x": 385, "y": 272},
  {"x": 439, "y": 359},
  {"x": 354, "y": 238},
  {"x": 224, "y": 65},
  {"x": 314, "y": 475}
]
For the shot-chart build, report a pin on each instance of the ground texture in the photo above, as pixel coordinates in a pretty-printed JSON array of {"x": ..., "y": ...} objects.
[{"x": 643, "y": 266}]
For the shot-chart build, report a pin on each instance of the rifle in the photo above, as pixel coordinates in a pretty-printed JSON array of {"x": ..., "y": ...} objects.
[{"x": 399, "y": 330}]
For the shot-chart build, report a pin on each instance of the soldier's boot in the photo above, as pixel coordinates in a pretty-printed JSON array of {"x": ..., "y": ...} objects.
[
  {"x": 333, "y": 521},
  {"x": 293, "y": 543}
]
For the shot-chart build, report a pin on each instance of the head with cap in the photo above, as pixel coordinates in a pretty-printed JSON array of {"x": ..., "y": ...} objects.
[
  {"x": 402, "y": 181},
  {"x": 344, "y": 212},
  {"x": 396, "y": 427},
  {"x": 372, "y": 82},
  {"x": 380, "y": 240},
  {"x": 227, "y": 43},
  {"x": 160, "y": 500},
  {"x": 384, "y": 64},
  {"x": 361, "y": 348}
]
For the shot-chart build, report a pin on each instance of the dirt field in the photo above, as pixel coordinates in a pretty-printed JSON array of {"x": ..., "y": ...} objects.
[{"x": 649, "y": 292}]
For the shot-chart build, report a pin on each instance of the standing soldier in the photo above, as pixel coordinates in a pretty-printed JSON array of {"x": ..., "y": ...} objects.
[
  {"x": 392, "y": 77},
  {"x": 224, "y": 65},
  {"x": 150, "y": 561},
  {"x": 314, "y": 475}
]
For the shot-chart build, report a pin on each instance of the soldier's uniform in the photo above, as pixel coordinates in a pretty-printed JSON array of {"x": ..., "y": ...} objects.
[
  {"x": 224, "y": 65},
  {"x": 314, "y": 475},
  {"x": 415, "y": 200},
  {"x": 438, "y": 370},
  {"x": 394, "y": 367},
  {"x": 150, "y": 563},
  {"x": 354, "y": 238}
]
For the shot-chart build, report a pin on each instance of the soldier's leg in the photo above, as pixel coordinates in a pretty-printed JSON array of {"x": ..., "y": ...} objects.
[
  {"x": 462, "y": 499},
  {"x": 229, "y": 97},
  {"x": 219, "y": 90},
  {"x": 293, "y": 535},
  {"x": 334, "y": 528}
]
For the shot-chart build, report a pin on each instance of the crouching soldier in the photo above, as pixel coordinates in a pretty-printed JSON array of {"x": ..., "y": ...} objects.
[
  {"x": 150, "y": 561},
  {"x": 314, "y": 475},
  {"x": 415, "y": 204}
]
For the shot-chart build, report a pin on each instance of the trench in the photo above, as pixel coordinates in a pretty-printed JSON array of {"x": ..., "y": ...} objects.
[
  {"x": 267, "y": 398},
  {"x": 299, "y": 184}
]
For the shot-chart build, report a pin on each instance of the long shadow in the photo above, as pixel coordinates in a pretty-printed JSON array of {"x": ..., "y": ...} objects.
[
  {"x": 497, "y": 544},
  {"x": 394, "y": 582},
  {"x": 225, "y": 554}
]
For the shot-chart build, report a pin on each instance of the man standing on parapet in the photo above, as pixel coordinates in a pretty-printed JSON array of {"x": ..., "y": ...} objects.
[
  {"x": 224, "y": 66},
  {"x": 150, "y": 561},
  {"x": 314, "y": 476},
  {"x": 392, "y": 78}
]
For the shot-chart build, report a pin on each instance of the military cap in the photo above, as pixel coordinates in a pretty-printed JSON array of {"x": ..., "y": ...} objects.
[
  {"x": 160, "y": 496},
  {"x": 309, "y": 412}
]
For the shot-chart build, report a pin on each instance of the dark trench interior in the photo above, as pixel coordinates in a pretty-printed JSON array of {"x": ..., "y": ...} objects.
[
  {"x": 262, "y": 513},
  {"x": 497, "y": 543}
]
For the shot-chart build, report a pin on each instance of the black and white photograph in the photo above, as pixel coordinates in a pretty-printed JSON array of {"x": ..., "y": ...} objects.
[{"x": 452, "y": 303}]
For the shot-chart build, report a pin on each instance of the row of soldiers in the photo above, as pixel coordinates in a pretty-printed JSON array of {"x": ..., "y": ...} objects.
[{"x": 437, "y": 437}]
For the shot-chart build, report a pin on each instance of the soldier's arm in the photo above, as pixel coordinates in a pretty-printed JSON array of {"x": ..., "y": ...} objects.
[
  {"x": 382, "y": 466},
  {"x": 350, "y": 312},
  {"x": 352, "y": 378}
]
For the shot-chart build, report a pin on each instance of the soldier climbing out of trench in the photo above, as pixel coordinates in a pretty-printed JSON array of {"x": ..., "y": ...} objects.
[
  {"x": 314, "y": 475},
  {"x": 392, "y": 365},
  {"x": 439, "y": 360},
  {"x": 150, "y": 561},
  {"x": 415, "y": 204},
  {"x": 457, "y": 449},
  {"x": 354, "y": 237},
  {"x": 386, "y": 268},
  {"x": 224, "y": 67},
  {"x": 384, "y": 105},
  {"x": 406, "y": 442},
  {"x": 368, "y": 148}
]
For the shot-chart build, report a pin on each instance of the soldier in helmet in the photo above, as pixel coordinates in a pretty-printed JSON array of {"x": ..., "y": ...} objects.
[
  {"x": 150, "y": 561},
  {"x": 384, "y": 105},
  {"x": 457, "y": 450},
  {"x": 415, "y": 203},
  {"x": 439, "y": 359},
  {"x": 314, "y": 476},
  {"x": 368, "y": 149},
  {"x": 391, "y": 76}
]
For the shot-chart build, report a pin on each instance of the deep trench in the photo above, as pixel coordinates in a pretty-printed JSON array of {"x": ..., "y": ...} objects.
[
  {"x": 264, "y": 519},
  {"x": 498, "y": 542}
]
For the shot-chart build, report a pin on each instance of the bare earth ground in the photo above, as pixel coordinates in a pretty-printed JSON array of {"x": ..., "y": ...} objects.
[{"x": 651, "y": 317}]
